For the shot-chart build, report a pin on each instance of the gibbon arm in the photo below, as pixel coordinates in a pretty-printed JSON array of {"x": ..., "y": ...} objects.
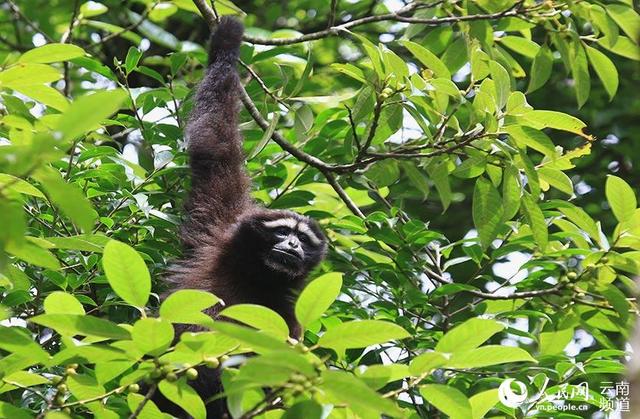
[{"x": 220, "y": 186}]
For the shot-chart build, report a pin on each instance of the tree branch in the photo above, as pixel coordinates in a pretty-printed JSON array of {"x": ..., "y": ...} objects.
[
  {"x": 144, "y": 401},
  {"x": 398, "y": 16}
]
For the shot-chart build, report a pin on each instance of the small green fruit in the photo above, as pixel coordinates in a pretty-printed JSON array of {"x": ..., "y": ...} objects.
[
  {"x": 572, "y": 276},
  {"x": 212, "y": 363},
  {"x": 133, "y": 388},
  {"x": 62, "y": 388},
  {"x": 171, "y": 377},
  {"x": 298, "y": 378},
  {"x": 191, "y": 374}
]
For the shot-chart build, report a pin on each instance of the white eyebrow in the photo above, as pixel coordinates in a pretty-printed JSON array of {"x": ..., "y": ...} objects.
[
  {"x": 306, "y": 230},
  {"x": 282, "y": 222}
]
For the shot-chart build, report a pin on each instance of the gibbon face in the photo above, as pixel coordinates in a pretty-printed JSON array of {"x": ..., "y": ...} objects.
[{"x": 286, "y": 242}]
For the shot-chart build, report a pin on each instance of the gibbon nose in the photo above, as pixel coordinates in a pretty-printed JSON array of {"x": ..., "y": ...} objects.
[{"x": 293, "y": 242}]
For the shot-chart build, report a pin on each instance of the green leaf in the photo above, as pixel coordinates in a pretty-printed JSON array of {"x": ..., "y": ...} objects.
[
  {"x": 482, "y": 402},
  {"x": 525, "y": 136},
  {"x": 132, "y": 59},
  {"x": 618, "y": 301},
  {"x": 557, "y": 179},
  {"x": 604, "y": 23},
  {"x": 9, "y": 411},
  {"x": 77, "y": 324},
  {"x": 149, "y": 411},
  {"x": 21, "y": 379},
  {"x": 377, "y": 376},
  {"x": 85, "y": 387},
  {"x": 489, "y": 355},
  {"x": 92, "y": 8},
  {"x": 84, "y": 242},
  {"x": 540, "y": 69},
  {"x": 373, "y": 53},
  {"x": 448, "y": 400},
  {"x": 553, "y": 343},
  {"x": 86, "y": 113},
  {"x": 182, "y": 394},
  {"x": 51, "y": 53},
  {"x": 623, "y": 46},
  {"x": 579, "y": 217},
  {"x": 535, "y": 219},
  {"x": 468, "y": 335},
  {"x": 417, "y": 178},
  {"x": 59, "y": 302},
  {"x": 266, "y": 137},
  {"x": 487, "y": 211},
  {"x": 186, "y": 306},
  {"x": 308, "y": 409},
  {"x": 18, "y": 340},
  {"x": 428, "y": 59},
  {"x": 152, "y": 336},
  {"x": 127, "y": 273},
  {"x": 260, "y": 317},
  {"x": 33, "y": 254},
  {"x": 348, "y": 389},
  {"x": 557, "y": 120},
  {"x": 621, "y": 198},
  {"x": 24, "y": 74},
  {"x": 257, "y": 340},
  {"x": 605, "y": 69},
  {"x": 521, "y": 45},
  {"x": 350, "y": 70},
  {"x": 360, "y": 334},
  {"x": 427, "y": 362},
  {"x": 439, "y": 174},
  {"x": 580, "y": 72},
  {"x": 502, "y": 82},
  {"x": 9, "y": 182},
  {"x": 511, "y": 193},
  {"x": 627, "y": 19},
  {"x": 68, "y": 197},
  {"x": 45, "y": 95},
  {"x": 394, "y": 64},
  {"x": 317, "y": 296}
]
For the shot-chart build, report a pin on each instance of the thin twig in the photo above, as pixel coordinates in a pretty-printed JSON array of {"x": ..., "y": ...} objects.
[
  {"x": 14, "y": 7},
  {"x": 129, "y": 28},
  {"x": 332, "y": 12},
  {"x": 398, "y": 16},
  {"x": 144, "y": 401},
  {"x": 343, "y": 194}
]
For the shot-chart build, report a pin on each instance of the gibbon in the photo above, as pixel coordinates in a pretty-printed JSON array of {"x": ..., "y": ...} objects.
[{"x": 236, "y": 249}]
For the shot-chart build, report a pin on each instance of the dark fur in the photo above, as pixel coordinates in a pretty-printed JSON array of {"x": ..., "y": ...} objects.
[{"x": 224, "y": 236}]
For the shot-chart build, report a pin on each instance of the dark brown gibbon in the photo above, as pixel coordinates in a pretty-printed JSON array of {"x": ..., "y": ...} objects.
[{"x": 236, "y": 249}]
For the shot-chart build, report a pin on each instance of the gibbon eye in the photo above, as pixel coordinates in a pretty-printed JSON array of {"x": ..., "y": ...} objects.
[
  {"x": 281, "y": 231},
  {"x": 304, "y": 238}
]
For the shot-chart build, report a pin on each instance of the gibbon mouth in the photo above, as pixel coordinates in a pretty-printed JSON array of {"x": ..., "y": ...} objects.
[{"x": 288, "y": 253}]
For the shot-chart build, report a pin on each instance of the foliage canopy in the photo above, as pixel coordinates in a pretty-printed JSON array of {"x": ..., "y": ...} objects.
[{"x": 462, "y": 156}]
